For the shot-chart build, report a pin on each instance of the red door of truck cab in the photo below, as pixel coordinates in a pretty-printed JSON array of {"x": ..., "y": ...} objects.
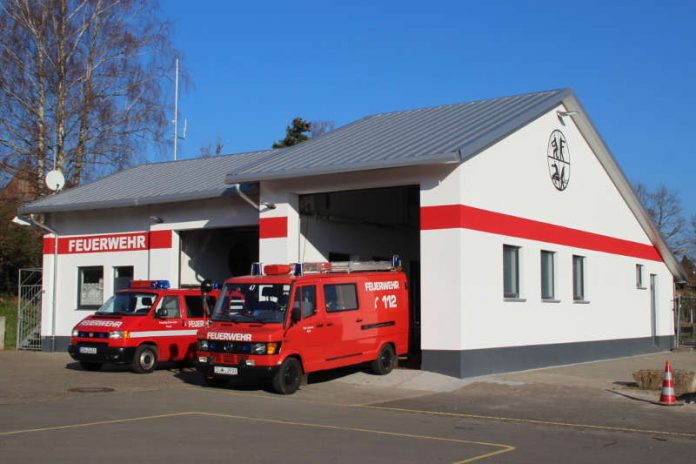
[{"x": 170, "y": 343}]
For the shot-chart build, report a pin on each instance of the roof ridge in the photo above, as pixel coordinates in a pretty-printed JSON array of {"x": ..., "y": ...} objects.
[
  {"x": 472, "y": 102},
  {"x": 199, "y": 158}
]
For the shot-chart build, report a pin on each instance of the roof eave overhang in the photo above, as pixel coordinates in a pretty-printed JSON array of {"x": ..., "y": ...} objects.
[
  {"x": 439, "y": 158},
  {"x": 131, "y": 202}
]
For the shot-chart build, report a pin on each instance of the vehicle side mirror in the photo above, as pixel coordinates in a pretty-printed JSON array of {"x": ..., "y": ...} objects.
[
  {"x": 296, "y": 315},
  {"x": 162, "y": 313}
]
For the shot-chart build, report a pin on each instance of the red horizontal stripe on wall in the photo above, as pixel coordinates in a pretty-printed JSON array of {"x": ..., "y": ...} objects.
[
  {"x": 276, "y": 227},
  {"x": 113, "y": 243},
  {"x": 467, "y": 217}
]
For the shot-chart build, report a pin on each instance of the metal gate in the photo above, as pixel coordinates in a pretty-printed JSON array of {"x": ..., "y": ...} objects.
[
  {"x": 29, "y": 309},
  {"x": 686, "y": 320}
]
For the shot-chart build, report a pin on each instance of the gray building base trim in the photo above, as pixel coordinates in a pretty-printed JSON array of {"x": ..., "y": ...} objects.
[
  {"x": 472, "y": 363},
  {"x": 61, "y": 343}
]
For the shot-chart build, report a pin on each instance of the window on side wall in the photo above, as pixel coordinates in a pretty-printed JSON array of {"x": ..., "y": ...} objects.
[
  {"x": 547, "y": 275},
  {"x": 90, "y": 287},
  {"x": 578, "y": 278},
  {"x": 511, "y": 271},
  {"x": 122, "y": 277},
  {"x": 639, "y": 276}
]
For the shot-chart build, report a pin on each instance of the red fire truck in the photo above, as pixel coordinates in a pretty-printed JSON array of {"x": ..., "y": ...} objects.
[
  {"x": 147, "y": 323},
  {"x": 295, "y": 319}
]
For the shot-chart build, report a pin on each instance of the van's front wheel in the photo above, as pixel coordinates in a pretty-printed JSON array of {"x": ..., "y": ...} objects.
[
  {"x": 385, "y": 362},
  {"x": 288, "y": 378},
  {"x": 145, "y": 359}
]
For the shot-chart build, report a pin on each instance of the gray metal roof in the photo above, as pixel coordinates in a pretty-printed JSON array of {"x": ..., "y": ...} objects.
[
  {"x": 441, "y": 134},
  {"x": 449, "y": 133},
  {"x": 154, "y": 183}
]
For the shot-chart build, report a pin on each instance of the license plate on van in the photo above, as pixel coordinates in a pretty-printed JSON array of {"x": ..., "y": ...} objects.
[
  {"x": 225, "y": 370},
  {"x": 88, "y": 350}
]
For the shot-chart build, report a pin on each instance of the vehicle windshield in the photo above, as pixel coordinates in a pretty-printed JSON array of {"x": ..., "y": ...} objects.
[
  {"x": 128, "y": 303},
  {"x": 252, "y": 303}
]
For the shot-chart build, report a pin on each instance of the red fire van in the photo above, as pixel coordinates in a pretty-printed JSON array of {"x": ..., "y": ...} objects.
[
  {"x": 296, "y": 319},
  {"x": 147, "y": 323}
]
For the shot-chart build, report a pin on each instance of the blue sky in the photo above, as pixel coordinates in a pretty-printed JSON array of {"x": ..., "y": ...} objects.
[{"x": 256, "y": 65}]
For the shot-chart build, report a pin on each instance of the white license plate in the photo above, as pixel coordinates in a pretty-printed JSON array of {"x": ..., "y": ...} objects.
[
  {"x": 88, "y": 350},
  {"x": 225, "y": 370}
]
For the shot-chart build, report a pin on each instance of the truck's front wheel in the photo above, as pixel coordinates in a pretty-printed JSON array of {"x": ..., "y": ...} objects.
[
  {"x": 145, "y": 359},
  {"x": 288, "y": 378}
]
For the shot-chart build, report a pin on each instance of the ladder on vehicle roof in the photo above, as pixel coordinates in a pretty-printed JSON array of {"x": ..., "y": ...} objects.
[{"x": 350, "y": 266}]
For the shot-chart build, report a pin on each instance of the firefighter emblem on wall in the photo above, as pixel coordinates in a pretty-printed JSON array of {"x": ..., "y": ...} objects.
[{"x": 558, "y": 158}]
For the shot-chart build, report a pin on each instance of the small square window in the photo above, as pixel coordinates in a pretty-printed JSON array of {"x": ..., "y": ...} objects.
[
  {"x": 639, "y": 276},
  {"x": 511, "y": 271},
  {"x": 122, "y": 277},
  {"x": 90, "y": 291},
  {"x": 340, "y": 297}
]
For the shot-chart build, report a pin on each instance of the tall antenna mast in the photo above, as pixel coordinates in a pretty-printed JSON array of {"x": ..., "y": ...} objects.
[
  {"x": 176, "y": 106},
  {"x": 176, "y": 110}
]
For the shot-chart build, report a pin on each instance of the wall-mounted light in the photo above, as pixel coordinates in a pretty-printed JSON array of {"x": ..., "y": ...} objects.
[{"x": 563, "y": 114}]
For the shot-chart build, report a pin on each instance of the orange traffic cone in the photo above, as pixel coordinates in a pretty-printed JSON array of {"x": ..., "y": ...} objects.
[{"x": 667, "y": 397}]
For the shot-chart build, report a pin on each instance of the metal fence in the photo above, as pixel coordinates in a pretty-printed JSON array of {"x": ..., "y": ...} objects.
[
  {"x": 29, "y": 309},
  {"x": 686, "y": 320}
]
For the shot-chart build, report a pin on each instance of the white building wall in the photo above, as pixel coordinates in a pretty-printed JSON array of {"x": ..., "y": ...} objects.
[
  {"x": 512, "y": 177},
  {"x": 156, "y": 263}
]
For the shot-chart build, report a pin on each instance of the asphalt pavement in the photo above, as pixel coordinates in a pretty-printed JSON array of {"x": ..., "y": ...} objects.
[{"x": 50, "y": 410}]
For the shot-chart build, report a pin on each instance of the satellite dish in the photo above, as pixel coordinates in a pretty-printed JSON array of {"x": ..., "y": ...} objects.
[{"x": 55, "y": 180}]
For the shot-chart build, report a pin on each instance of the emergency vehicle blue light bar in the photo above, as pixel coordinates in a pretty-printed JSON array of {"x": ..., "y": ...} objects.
[
  {"x": 396, "y": 262},
  {"x": 297, "y": 269},
  {"x": 154, "y": 284},
  {"x": 255, "y": 269}
]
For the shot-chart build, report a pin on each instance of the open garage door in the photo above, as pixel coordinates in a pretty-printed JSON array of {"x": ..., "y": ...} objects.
[
  {"x": 217, "y": 254},
  {"x": 364, "y": 225}
]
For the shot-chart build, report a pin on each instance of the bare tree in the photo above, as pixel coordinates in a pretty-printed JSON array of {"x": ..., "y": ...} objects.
[
  {"x": 665, "y": 209},
  {"x": 318, "y": 128},
  {"x": 691, "y": 238},
  {"x": 80, "y": 85},
  {"x": 209, "y": 150}
]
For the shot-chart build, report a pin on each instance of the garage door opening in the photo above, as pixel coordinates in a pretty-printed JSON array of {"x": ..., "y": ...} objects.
[
  {"x": 364, "y": 225},
  {"x": 217, "y": 254}
]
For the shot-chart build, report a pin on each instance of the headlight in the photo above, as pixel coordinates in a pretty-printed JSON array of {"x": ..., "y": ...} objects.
[
  {"x": 75, "y": 333},
  {"x": 258, "y": 348},
  {"x": 202, "y": 345},
  {"x": 118, "y": 334}
]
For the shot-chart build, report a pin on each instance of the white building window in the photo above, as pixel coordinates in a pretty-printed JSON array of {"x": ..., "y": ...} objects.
[
  {"x": 90, "y": 287},
  {"x": 578, "y": 278},
  {"x": 511, "y": 271},
  {"x": 639, "y": 276},
  {"x": 122, "y": 277},
  {"x": 547, "y": 275}
]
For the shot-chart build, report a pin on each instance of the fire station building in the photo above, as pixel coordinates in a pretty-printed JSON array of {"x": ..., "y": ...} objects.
[{"x": 524, "y": 243}]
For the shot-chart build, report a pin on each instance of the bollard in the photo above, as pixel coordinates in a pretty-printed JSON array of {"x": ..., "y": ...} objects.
[{"x": 2, "y": 333}]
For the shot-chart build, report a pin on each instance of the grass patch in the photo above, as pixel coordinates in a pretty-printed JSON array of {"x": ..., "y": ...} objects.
[{"x": 8, "y": 309}]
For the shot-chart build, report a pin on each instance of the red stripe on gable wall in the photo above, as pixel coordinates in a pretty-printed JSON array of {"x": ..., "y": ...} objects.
[
  {"x": 159, "y": 239},
  {"x": 467, "y": 217},
  {"x": 276, "y": 227}
]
